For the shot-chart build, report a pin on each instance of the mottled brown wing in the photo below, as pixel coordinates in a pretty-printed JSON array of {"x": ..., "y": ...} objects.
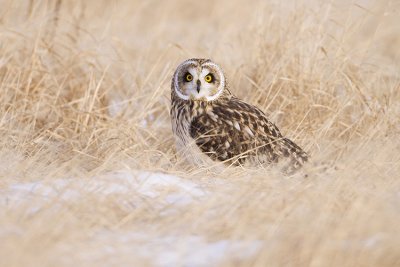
[{"x": 233, "y": 129}]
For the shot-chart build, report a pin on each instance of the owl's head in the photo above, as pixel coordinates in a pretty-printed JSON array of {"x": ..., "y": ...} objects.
[{"x": 198, "y": 79}]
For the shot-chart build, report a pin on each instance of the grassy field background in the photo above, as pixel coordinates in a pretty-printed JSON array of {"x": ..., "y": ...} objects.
[{"x": 88, "y": 171}]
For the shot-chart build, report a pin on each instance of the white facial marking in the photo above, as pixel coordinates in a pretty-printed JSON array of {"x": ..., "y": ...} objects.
[
  {"x": 222, "y": 81},
  {"x": 206, "y": 89},
  {"x": 176, "y": 81}
]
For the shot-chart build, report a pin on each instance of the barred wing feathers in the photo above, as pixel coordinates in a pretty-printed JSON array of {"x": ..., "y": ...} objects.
[{"x": 232, "y": 130}]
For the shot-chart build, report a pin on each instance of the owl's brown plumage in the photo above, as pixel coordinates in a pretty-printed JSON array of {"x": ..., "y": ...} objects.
[{"x": 222, "y": 127}]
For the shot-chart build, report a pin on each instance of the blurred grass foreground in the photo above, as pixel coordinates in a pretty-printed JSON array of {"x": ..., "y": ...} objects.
[{"x": 88, "y": 171}]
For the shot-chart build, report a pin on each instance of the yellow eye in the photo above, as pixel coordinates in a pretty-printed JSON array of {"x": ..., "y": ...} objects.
[
  {"x": 189, "y": 77},
  {"x": 208, "y": 78}
]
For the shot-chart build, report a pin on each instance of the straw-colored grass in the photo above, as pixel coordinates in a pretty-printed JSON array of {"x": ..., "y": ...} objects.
[{"x": 84, "y": 93}]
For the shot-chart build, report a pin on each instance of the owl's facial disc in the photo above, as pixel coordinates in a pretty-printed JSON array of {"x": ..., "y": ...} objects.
[{"x": 199, "y": 82}]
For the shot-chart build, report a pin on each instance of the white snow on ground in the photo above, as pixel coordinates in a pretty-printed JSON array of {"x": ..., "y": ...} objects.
[
  {"x": 173, "y": 189},
  {"x": 164, "y": 189},
  {"x": 195, "y": 251},
  {"x": 172, "y": 250}
]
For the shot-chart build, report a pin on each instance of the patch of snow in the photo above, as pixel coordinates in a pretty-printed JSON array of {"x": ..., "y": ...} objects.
[
  {"x": 164, "y": 190},
  {"x": 154, "y": 184},
  {"x": 114, "y": 108},
  {"x": 195, "y": 251},
  {"x": 172, "y": 250},
  {"x": 165, "y": 187}
]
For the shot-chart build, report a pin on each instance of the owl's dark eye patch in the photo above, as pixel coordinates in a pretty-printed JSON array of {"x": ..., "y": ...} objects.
[
  {"x": 209, "y": 78},
  {"x": 188, "y": 77}
]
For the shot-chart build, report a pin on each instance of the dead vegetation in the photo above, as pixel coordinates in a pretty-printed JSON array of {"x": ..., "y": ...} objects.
[{"x": 85, "y": 91}]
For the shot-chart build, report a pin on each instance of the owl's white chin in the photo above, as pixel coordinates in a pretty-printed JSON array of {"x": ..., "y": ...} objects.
[{"x": 203, "y": 94}]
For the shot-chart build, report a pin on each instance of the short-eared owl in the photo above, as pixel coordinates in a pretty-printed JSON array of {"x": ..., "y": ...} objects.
[{"x": 211, "y": 123}]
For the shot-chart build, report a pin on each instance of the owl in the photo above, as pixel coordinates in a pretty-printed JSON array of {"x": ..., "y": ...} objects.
[{"x": 211, "y": 125}]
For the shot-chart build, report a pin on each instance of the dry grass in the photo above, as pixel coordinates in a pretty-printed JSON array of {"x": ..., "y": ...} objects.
[{"x": 85, "y": 91}]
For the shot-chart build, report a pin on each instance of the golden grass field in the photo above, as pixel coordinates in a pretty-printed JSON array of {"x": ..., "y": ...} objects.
[{"x": 89, "y": 175}]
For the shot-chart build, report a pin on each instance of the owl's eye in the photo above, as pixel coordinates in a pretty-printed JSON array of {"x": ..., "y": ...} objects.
[
  {"x": 188, "y": 77},
  {"x": 209, "y": 78}
]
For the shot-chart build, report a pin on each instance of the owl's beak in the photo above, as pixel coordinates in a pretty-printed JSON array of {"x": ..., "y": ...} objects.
[{"x": 198, "y": 86}]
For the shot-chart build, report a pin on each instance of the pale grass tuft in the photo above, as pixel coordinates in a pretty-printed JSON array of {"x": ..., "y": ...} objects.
[{"x": 84, "y": 113}]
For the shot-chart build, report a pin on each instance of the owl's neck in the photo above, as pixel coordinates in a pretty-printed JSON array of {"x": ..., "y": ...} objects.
[
  {"x": 194, "y": 108},
  {"x": 225, "y": 96}
]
